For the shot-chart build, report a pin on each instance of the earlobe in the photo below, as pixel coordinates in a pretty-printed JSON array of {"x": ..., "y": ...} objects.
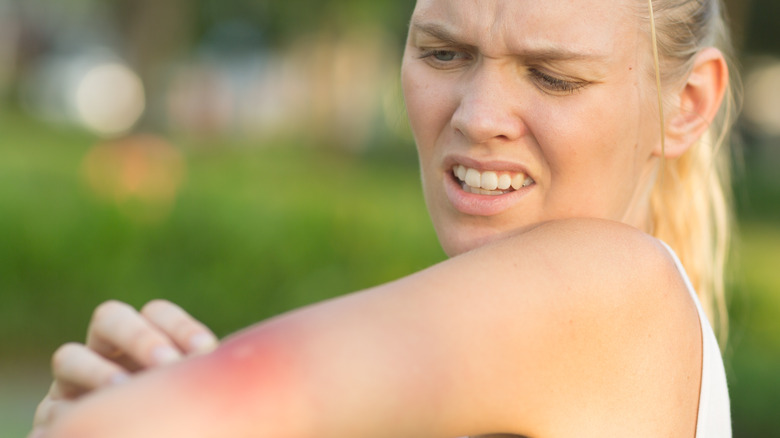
[{"x": 698, "y": 100}]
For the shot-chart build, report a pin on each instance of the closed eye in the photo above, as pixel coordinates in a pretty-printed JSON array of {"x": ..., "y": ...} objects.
[{"x": 554, "y": 84}]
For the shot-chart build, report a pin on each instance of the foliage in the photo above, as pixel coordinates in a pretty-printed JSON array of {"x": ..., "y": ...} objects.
[
  {"x": 254, "y": 232},
  {"x": 258, "y": 230}
]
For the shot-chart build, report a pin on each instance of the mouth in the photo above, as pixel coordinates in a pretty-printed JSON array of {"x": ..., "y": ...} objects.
[{"x": 490, "y": 183}]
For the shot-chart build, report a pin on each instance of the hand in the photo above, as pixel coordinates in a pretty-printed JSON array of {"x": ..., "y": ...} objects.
[{"x": 120, "y": 342}]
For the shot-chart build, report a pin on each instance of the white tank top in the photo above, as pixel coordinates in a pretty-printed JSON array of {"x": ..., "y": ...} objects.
[{"x": 714, "y": 418}]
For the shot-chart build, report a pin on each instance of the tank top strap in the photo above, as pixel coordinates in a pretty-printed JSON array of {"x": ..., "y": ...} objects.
[{"x": 714, "y": 416}]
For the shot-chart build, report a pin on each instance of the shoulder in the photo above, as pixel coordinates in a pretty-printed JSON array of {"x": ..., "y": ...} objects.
[
  {"x": 607, "y": 241},
  {"x": 619, "y": 284},
  {"x": 592, "y": 256},
  {"x": 590, "y": 274},
  {"x": 615, "y": 334},
  {"x": 584, "y": 266}
]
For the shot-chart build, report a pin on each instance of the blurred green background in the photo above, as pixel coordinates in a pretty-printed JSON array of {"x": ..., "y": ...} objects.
[{"x": 246, "y": 158}]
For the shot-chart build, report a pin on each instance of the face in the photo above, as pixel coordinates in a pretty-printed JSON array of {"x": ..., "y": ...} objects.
[{"x": 530, "y": 111}]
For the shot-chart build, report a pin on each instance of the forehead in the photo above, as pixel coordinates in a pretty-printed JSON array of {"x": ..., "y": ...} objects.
[{"x": 583, "y": 26}]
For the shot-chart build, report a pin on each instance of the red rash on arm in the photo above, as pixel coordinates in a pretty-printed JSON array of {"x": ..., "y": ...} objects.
[
  {"x": 250, "y": 386},
  {"x": 261, "y": 358}
]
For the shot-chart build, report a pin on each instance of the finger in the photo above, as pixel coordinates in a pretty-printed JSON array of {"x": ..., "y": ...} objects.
[
  {"x": 189, "y": 334},
  {"x": 46, "y": 413},
  {"x": 78, "y": 370},
  {"x": 117, "y": 329},
  {"x": 37, "y": 432}
]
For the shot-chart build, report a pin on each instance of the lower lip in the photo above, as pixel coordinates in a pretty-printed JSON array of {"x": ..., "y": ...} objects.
[{"x": 481, "y": 205}]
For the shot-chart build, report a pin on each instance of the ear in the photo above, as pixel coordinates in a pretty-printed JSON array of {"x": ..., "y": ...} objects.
[{"x": 697, "y": 101}]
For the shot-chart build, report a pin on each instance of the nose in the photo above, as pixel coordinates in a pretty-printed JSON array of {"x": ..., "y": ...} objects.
[{"x": 489, "y": 108}]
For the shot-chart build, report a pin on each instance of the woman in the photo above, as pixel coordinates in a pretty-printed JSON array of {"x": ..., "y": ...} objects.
[{"x": 548, "y": 165}]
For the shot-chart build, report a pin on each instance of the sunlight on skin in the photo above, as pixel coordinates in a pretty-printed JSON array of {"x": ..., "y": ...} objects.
[
  {"x": 251, "y": 377},
  {"x": 388, "y": 354},
  {"x": 275, "y": 379}
]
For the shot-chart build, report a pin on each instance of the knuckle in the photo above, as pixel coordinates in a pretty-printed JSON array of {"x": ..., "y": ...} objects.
[
  {"x": 171, "y": 319},
  {"x": 64, "y": 353},
  {"x": 106, "y": 310},
  {"x": 184, "y": 329},
  {"x": 142, "y": 342},
  {"x": 155, "y": 306}
]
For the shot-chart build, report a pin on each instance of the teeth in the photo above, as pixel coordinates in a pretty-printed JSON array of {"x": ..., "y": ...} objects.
[
  {"x": 473, "y": 178},
  {"x": 504, "y": 182},
  {"x": 460, "y": 172},
  {"x": 490, "y": 182},
  {"x": 477, "y": 191},
  {"x": 518, "y": 181}
]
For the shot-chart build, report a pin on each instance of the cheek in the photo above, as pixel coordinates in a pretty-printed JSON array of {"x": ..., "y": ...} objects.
[
  {"x": 599, "y": 132},
  {"x": 427, "y": 105},
  {"x": 591, "y": 150}
]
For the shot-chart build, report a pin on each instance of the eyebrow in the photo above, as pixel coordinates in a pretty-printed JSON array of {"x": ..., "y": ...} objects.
[
  {"x": 541, "y": 52},
  {"x": 437, "y": 31}
]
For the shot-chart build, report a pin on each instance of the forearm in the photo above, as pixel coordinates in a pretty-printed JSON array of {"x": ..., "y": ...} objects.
[
  {"x": 312, "y": 373},
  {"x": 212, "y": 395}
]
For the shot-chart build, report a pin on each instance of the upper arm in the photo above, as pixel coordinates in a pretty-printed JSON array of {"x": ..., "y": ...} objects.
[{"x": 570, "y": 320}]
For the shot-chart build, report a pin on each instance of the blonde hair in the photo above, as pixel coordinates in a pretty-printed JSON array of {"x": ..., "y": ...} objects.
[{"x": 691, "y": 202}]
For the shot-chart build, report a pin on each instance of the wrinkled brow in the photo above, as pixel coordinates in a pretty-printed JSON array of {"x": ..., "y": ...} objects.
[
  {"x": 436, "y": 31},
  {"x": 541, "y": 50}
]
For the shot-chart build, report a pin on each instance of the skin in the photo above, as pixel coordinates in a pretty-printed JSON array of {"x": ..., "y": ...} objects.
[
  {"x": 558, "y": 315},
  {"x": 120, "y": 341},
  {"x": 603, "y": 353},
  {"x": 587, "y": 144}
]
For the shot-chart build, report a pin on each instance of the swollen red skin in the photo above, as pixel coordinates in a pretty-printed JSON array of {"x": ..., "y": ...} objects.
[
  {"x": 251, "y": 386},
  {"x": 254, "y": 376},
  {"x": 264, "y": 358}
]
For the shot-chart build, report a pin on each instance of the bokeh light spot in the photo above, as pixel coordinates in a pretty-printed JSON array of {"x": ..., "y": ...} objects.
[
  {"x": 110, "y": 99},
  {"x": 762, "y": 94},
  {"x": 141, "y": 174}
]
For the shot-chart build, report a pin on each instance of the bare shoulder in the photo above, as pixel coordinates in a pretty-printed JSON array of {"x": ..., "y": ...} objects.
[
  {"x": 595, "y": 258},
  {"x": 615, "y": 339},
  {"x": 596, "y": 241}
]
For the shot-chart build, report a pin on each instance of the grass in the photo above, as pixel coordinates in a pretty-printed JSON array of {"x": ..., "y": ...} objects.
[{"x": 254, "y": 231}]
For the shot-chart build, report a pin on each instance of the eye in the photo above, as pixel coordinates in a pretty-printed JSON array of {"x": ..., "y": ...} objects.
[
  {"x": 443, "y": 58},
  {"x": 554, "y": 84}
]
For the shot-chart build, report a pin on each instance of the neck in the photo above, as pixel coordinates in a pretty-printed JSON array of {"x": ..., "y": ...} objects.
[{"x": 638, "y": 213}]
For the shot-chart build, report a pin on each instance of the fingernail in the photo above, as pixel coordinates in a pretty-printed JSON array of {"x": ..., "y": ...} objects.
[
  {"x": 203, "y": 343},
  {"x": 165, "y": 355}
]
